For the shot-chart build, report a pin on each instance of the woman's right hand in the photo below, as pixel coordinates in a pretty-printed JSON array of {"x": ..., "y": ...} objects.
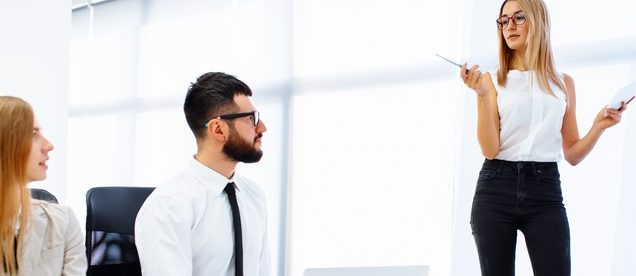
[{"x": 474, "y": 79}]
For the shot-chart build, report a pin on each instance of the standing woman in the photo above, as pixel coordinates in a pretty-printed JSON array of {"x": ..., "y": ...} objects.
[
  {"x": 526, "y": 115},
  {"x": 36, "y": 237}
]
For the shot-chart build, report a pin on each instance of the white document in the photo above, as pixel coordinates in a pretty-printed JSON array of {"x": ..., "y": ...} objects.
[{"x": 625, "y": 94}]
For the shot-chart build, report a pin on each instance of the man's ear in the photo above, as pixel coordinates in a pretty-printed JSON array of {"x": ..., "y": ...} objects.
[{"x": 218, "y": 130}]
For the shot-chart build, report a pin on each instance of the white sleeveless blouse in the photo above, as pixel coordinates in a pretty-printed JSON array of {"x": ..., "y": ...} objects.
[{"x": 530, "y": 119}]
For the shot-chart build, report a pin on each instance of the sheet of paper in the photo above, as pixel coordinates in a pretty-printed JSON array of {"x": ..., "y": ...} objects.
[{"x": 623, "y": 95}]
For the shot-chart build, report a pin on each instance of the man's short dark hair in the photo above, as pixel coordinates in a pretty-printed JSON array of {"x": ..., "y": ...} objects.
[{"x": 210, "y": 96}]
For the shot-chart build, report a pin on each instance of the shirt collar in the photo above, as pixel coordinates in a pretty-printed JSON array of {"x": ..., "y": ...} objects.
[{"x": 210, "y": 177}]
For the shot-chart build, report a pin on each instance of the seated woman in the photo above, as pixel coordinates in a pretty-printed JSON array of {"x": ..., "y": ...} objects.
[{"x": 36, "y": 237}]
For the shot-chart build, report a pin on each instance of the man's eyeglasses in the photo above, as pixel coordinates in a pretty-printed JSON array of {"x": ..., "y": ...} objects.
[
  {"x": 518, "y": 18},
  {"x": 254, "y": 117}
]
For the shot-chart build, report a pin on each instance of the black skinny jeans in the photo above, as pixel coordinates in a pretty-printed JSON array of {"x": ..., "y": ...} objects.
[{"x": 523, "y": 196}]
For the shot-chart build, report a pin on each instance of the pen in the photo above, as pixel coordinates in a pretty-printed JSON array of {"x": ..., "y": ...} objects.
[{"x": 452, "y": 62}]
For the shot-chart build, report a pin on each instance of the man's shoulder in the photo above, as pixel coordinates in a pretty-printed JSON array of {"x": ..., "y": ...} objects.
[
  {"x": 180, "y": 190},
  {"x": 251, "y": 187},
  {"x": 183, "y": 184},
  {"x": 247, "y": 182}
]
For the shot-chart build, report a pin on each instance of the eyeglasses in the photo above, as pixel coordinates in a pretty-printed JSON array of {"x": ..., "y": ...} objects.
[
  {"x": 518, "y": 18},
  {"x": 254, "y": 117}
]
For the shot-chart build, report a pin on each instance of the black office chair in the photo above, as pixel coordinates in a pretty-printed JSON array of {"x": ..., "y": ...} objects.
[
  {"x": 42, "y": 194},
  {"x": 110, "y": 230}
]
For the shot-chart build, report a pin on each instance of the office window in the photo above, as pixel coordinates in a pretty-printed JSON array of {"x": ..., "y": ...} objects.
[
  {"x": 372, "y": 177},
  {"x": 590, "y": 21},
  {"x": 336, "y": 38},
  {"x": 101, "y": 154},
  {"x": 366, "y": 126}
]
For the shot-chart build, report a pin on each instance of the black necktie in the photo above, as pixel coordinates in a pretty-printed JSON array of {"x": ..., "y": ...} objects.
[{"x": 238, "y": 235}]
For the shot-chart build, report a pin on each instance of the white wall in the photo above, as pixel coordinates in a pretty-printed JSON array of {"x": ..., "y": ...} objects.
[
  {"x": 34, "y": 56},
  {"x": 625, "y": 240}
]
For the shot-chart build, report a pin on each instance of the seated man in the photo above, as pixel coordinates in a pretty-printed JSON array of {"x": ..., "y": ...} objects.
[{"x": 209, "y": 220}]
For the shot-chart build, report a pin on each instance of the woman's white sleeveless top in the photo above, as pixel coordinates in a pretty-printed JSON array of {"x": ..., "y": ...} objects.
[{"x": 530, "y": 118}]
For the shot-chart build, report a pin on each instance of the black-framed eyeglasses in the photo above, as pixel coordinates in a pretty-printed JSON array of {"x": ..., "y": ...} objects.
[
  {"x": 518, "y": 18},
  {"x": 254, "y": 117}
]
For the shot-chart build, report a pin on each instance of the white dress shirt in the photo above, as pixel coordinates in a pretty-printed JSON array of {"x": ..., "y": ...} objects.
[
  {"x": 530, "y": 119},
  {"x": 185, "y": 226}
]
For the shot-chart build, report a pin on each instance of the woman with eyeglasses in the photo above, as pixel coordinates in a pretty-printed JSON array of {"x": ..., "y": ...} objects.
[
  {"x": 526, "y": 116},
  {"x": 36, "y": 237}
]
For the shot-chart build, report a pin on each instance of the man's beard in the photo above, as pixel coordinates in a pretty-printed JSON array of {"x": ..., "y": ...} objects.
[{"x": 240, "y": 150}]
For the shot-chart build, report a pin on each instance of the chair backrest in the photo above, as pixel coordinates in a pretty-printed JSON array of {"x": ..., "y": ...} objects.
[
  {"x": 110, "y": 229},
  {"x": 42, "y": 194}
]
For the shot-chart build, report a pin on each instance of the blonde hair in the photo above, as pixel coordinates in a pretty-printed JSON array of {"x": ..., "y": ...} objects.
[
  {"x": 538, "y": 56},
  {"x": 16, "y": 140}
]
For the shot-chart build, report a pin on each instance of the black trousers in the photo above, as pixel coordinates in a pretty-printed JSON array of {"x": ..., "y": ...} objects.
[{"x": 523, "y": 196}]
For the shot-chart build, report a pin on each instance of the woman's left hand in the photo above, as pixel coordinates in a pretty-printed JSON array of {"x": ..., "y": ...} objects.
[{"x": 608, "y": 117}]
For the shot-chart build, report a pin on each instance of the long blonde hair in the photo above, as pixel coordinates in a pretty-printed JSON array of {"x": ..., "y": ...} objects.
[
  {"x": 16, "y": 140},
  {"x": 538, "y": 56}
]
